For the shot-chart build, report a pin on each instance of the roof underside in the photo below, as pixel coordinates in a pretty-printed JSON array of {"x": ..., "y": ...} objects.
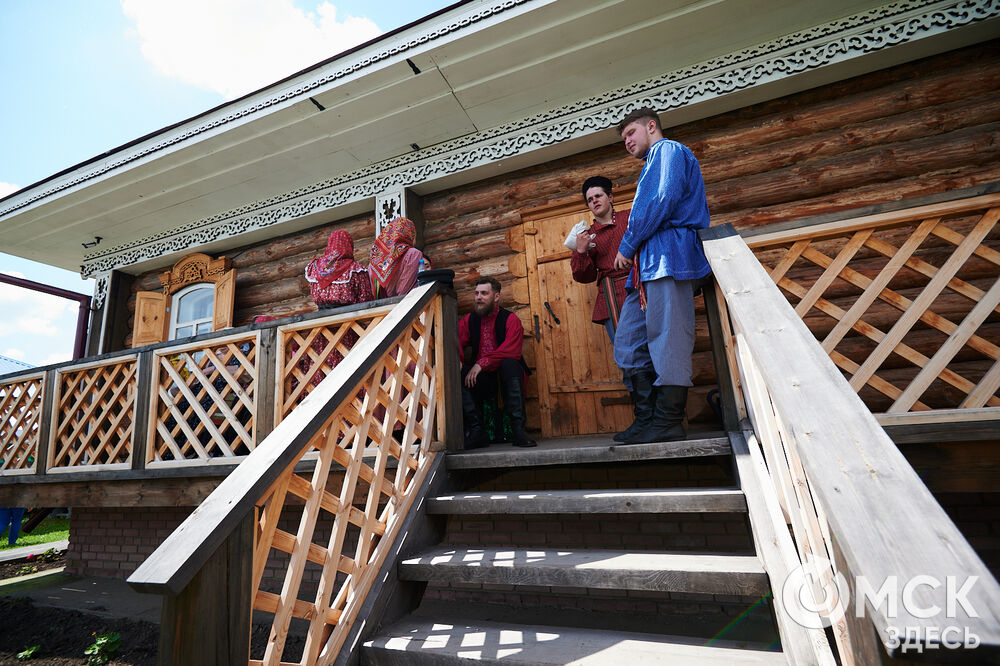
[{"x": 512, "y": 61}]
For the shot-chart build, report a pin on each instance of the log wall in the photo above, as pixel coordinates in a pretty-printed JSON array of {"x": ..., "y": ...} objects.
[{"x": 916, "y": 129}]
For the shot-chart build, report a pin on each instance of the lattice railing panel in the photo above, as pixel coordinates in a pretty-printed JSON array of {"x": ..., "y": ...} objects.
[
  {"x": 204, "y": 402},
  {"x": 20, "y": 411},
  {"x": 906, "y": 306},
  {"x": 308, "y": 352},
  {"x": 94, "y": 415},
  {"x": 330, "y": 528}
]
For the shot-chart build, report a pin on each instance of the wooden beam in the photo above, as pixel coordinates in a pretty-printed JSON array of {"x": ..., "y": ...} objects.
[{"x": 134, "y": 493}]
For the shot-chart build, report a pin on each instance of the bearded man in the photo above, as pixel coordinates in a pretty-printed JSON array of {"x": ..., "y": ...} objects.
[{"x": 490, "y": 340}]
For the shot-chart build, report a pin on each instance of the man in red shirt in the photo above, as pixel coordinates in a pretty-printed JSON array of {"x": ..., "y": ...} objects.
[
  {"x": 490, "y": 339},
  {"x": 594, "y": 261}
]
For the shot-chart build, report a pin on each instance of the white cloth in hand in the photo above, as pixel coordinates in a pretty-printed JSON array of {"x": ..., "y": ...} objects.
[{"x": 577, "y": 229}]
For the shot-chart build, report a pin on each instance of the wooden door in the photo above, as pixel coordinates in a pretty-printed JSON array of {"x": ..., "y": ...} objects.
[{"x": 580, "y": 390}]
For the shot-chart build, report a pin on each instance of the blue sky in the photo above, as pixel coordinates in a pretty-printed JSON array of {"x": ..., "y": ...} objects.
[{"x": 82, "y": 77}]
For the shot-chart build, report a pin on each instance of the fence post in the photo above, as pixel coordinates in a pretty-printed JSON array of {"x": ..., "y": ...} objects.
[
  {"x": 209, "y": 621},
  {"x": 450, "y": 427},
  {"x": 266, "y": 386},
  {"x": 45, "y": 422},
  {"x": 141, "y": 440}
]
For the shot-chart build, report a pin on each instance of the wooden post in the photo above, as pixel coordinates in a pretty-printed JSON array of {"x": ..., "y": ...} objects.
[
  {"x": 209, "y": 621},
  {"x": 45, "y": 422},
  {"x": 267, "y": 346},
  {"x": 141, "y": 439},
  {"x": 450, "y": 425},
  {"x": 730, "y": 417}
]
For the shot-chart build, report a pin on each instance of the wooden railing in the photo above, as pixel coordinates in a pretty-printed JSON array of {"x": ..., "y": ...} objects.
[
  {"x": 904, "y": 303},
  {"x": 204, "y": 401},
  {"x": 858, "y": 512},
  {"x": 322, "y": 498}
]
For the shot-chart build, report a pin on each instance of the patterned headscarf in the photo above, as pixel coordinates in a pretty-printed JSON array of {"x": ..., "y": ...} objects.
[
  {"x": 337, "y": 264},
  {"x": 389, "y": 248}
]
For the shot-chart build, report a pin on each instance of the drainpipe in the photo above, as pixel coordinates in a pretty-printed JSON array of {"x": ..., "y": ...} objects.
[{"x": 80, "y": 341}]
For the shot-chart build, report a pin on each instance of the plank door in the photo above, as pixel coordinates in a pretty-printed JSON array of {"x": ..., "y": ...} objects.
[{"x": 580, "y": 391}]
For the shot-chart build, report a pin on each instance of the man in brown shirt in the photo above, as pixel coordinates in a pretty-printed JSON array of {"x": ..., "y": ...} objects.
[{"x": 594, "y": 259}]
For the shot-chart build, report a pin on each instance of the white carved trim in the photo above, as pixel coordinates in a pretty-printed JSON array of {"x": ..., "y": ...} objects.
[
  {"x": 389, "y": 206},
  {"x": 843, "y": 39},
  {"x": 102, "y": 284}
]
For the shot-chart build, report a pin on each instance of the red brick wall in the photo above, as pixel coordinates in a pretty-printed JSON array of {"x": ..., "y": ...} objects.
[{"x": 113, "y": 542}]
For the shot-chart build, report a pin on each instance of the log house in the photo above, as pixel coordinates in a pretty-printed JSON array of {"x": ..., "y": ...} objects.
[{"x": 875, "y": 131}]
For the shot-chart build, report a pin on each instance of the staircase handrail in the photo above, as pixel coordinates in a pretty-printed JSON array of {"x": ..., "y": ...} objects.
[
  {"x": 177, "y": 561},
  {"x": 885, "y": 527}
]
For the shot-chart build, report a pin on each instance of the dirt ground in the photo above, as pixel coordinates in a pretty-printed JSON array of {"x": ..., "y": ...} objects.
[{"x": 63, "y": 635}]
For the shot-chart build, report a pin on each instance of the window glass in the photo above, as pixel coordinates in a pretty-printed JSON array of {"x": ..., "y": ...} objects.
[
  {"x": 195, "y": 304},
  {"x": 192, "y": 311}
]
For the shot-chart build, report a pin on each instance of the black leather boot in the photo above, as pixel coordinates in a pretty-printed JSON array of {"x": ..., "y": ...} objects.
[
  {"x": 475, "y": 436},
  {"x": 668, "y": 416},
  {"x": 643, "y": 402},
  {"x": 633, "y": 428},
  {"x": 512, "y": 391}
]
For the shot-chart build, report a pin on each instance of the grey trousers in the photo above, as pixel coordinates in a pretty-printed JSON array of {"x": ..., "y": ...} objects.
[{"x": 661, "y": 339}]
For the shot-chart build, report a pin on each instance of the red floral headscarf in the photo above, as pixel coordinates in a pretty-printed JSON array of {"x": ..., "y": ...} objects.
[
  {"x": 336, "y": 264},
  {"x": 389, "y": 248}
]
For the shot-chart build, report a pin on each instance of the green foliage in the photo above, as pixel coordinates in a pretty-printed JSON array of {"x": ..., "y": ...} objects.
[
  {"x": 49, "y": 530},
  {"x": 103, "y": 649},
  {"x": 28, "y": 653}
]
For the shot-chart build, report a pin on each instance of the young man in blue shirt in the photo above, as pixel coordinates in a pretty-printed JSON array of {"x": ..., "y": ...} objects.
[{"x": 655, "y": 335}]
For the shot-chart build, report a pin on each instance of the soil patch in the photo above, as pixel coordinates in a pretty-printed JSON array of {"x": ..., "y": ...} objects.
[{"x": 64, "y": 634}]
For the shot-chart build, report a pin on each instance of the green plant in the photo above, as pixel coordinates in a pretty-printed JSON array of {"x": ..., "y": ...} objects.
[
  {"x": 28, "y": 653},
  {"x": 27, "y": 569},
  {"x": 103, "y": 648}
]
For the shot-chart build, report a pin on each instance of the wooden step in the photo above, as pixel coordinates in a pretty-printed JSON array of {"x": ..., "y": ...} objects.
[
  {"x": 589, "y": 449},
  {"x": 449, "y": 641},
  {"x": 681, "y": 500},
  {"x": 608, "y": 569}
]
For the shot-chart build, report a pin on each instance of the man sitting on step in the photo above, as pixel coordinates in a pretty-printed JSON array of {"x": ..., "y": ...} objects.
[{"x": 490, "y": 339}]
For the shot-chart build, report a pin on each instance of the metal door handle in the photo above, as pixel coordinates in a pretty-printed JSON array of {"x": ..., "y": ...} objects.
[
  {"x": 549, "y": 308},
  {"x": 538, "y": 331}
]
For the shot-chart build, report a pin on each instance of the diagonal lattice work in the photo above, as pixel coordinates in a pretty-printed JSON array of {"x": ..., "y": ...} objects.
[
  {"x": 94, "y": 409},
  {"x": 307, "y": 353},
  {"x": 204, "y": 402},
  {"x": 329, "y": 530},
  {"x": 20, "y": 411},
  {"x": 905, "y": 303}
]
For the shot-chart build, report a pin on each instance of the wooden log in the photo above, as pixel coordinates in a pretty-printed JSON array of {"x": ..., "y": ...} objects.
[
  {"x": 877, "y": 95},
  {"x": 974, "y": 146},
  {"x": 840, "y": 140},
  {"x": 859, "y": 195}
]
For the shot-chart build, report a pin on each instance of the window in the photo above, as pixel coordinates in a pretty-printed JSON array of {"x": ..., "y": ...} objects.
[
  {"x": 192, "y": 311},
  {"x": 197, "y": 297}
]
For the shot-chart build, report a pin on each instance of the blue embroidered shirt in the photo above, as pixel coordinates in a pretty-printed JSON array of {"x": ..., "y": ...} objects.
[{"x": 668, "y": 210}]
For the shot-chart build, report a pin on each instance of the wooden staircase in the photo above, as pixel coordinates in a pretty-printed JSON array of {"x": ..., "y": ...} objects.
[{"x": 557, "y": 600}]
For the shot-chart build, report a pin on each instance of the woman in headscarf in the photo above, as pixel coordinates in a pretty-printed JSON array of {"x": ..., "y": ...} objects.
[
  {"x": 335, "y": 278},
  {"x": 394, "y": 262}
]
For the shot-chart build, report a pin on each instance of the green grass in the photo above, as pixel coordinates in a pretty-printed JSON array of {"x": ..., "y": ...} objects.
[{"x": 50, "y": 529}]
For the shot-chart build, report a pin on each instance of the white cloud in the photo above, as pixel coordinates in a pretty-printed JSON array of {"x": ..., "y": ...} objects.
[
  {"x": 56, "y": 358},
  {"x": 15, "y": 354},
  {"x": 235, "y": 46},
  {"x": 8, "y": 188},
  {"x": 28, "y": 312}
]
